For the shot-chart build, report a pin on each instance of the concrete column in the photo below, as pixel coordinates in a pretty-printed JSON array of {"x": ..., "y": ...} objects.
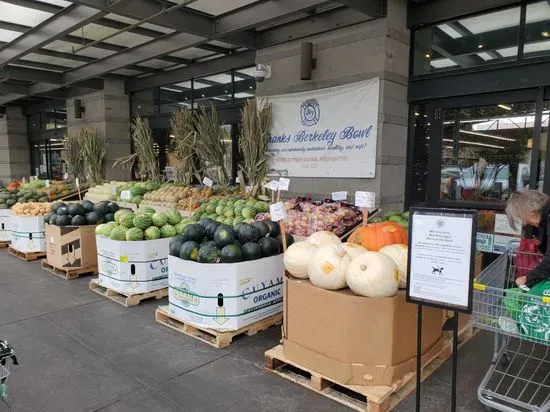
[
  {"x": 108, "y": 111},
  {"x": 377, "y": 48},
  {"x": 14, "y": 145}
]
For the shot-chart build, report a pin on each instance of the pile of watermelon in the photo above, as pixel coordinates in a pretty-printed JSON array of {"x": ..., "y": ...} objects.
[
  {"x": 144, "y": 224},
  {"x": 396, "y": 216},
  {"x": 81, "y": 213},
  {"x": 232, "y": 211},
  {"x": 210, "y": 241}
]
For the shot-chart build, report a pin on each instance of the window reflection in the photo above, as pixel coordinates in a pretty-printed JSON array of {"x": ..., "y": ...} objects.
[
  {"x": 421, "y": 147},
  {"x": 486, "y": 151}
]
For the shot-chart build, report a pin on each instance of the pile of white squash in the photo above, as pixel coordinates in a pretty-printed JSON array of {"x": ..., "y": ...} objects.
[{"x": 331, "y": 264}]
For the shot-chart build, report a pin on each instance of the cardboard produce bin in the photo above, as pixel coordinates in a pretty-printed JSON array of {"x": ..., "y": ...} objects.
[
  {"x": 5, "y": 225},
  {"x": 28, "y": 233},
  {"x": 71, "y": 247},
  {"x": 132, "y": 267},
  {"x": 225, "y": 296},
  {"x": 352, "y": 339}
]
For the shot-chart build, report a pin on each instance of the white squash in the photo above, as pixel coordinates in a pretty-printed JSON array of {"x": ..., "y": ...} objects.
[
  {"x": 328, "y": 266},
  {"x": 399, "y": 255},
  {"x": 297, "y": 258},
  {"x": 353, "y": 250},
  {"x": 374, "y": 275},
  {"x": 324, "y": 238}
]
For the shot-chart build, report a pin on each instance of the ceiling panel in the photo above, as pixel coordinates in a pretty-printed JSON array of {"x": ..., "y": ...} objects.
[
  {"x": 538, "y": 12},
  {"x": 492, "y": 21},
  {"x": 61, "y": 3},
  {"x": 127, "y": 20},
  {"x": 67, "y": 47},
  {"x": 156, "y": 64},
  {"x": 191, "y": 53},
  {"x": 97, "y": 32},
  {"x": 22, "y": 15},
  {"x": 8, "y": 35},
  {"x": 52, "y": 60},
  {"x": 218, "y": 7},
  {"x": 221, "y": 44},
  {"x": 219, "y": 78},
  {"x": 127, "y": 72},
  {"x": 440, "y": 63}
]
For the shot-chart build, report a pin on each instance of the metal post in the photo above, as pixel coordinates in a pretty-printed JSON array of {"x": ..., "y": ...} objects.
[
  {"x": 418, "y": 357},
  {"x": 455, "y": 361}
]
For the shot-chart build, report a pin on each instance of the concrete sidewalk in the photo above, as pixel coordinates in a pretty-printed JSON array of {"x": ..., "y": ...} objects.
[{"x": 80, "y": 352}]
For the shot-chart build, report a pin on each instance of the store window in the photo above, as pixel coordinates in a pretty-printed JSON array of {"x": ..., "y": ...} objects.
[
  {"x": 537, "y": 30},
  {"x": 543, "y": 144},
  {"x": 486, "y": 152},
  {"x": 421, "y": 148},
  {"x": 473, "y": 41}
]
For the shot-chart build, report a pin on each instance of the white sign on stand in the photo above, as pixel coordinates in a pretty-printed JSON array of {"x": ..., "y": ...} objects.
[
  {"x": 272, "y": 185},
  {"x": 126, "y": 195},
  {"x": 339, "y": 195},
  {"x": 277, "y": 211},
  {"x": 365, "y": 199},
  {"x": 284, "y": 184},
  {"x": 441, "y": 258},
  {"x": 207, "y": 182}
]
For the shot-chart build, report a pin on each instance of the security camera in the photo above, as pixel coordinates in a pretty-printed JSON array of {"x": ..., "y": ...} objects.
[{"x": 262, "y": 72}]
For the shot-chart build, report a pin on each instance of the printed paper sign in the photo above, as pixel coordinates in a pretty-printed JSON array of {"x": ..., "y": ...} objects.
[
  {"x": 339, "y": 195},
  {"x": 273, "y": 185},
  {"x": 24, "y": 180},
  {"x": 207, "y": 182},
  {"x": 277, "y": 211},
  {"x": 77, "y": 181},
  {"x": 503, "y": 243},
  {"x": 248, "y": 189},
  {"x": 284, "y": 183},
  {"x": 66, "y": 176},
  {"x": 113, "y": 191},
  {"x": 365, "y": 199},
  {"x": 484, "y": 242},
  {"x": 125, "y": 195},
  {"x": 503, "y": 226},
  {"x": 47, "y": 182}
]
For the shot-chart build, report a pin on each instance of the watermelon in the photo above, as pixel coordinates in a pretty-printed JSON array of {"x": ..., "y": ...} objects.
[
  {"x": 391, "y": 213},
  {"x": 94, "y": 218},
  {"x": 377, "y": 220},
  {"x": 53, "y": 219},
  {"x": 262, "y": 207},
  {"x": 262, "y": 227},
  {"x": 47, "y": 217},
  {"x": 211, "y": 229},
  {"x": 175, "y": 245},
  {"x": 118, "y": 233},
  {"x": 220, "y": 209},
  {"x": 109, "y": 217},
  {"x": 112, "y": 207},
  {"x": 209, "y": 253},
  {"x": 101, "y": 207},
  {"x": 152, "y": 233},
  {"x": 142, "y": 220},
  {"x": 134, "y": 233},
  {"x": 127, "y": 220},
  {"x": 289, "y": 240},
  {"x": 63, "y": 220},
  {"x": 269, "y": 246},
  {"x": 55, "y": 206},
  {"x": 78, "y": 220},
  {"x": 248, "y": 233},
  {"x": 120, "y": 213},
  {"x": 205, "y": 221},
  {"x": 173, "y": 216},
  {"x": 62, "y": 211},
  {"x": 274, "y": 229},
  {"x": 193, "y": 232},
  {"x": 167, "y": 231},
  {"x": 159, "y": 219},
  {"x": 101, "y": 230},
  {"x": 231, "y": 254},
  {"x": 75, "y": 209},
  {"x": 251, "y": 251},
  {"x": 189, "y": 250},
  {"x": 229, "y": 212},
  {"x": 147, "y": 210},
  {"x": 248, "y": 212},
  {"x": 224, "y": 235},
  {"x": 210, "y": 208}
]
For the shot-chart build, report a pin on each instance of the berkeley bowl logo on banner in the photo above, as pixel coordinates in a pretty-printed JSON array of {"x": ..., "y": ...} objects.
[{"x": 310, "y": 112}]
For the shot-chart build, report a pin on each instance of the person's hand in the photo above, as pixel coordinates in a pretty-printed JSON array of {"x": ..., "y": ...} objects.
[{"x": 522, "y": 280}]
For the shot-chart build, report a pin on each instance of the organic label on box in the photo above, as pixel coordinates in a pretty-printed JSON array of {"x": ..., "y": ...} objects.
[
  {"x": 284, "y": 183},
  {"x": 339, "y": 195},
  {"x": 365, "y": 199},
  {"x": 125, "y": 195},
  {"x": 277, "y": 211},
  {"x": 207, "y": 182}
]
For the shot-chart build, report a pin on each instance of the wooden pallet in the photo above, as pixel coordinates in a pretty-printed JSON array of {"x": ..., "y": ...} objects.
[
  {"x": 125, "y": 299},
  {"x": 4, "y": 244},
  {"x": 359, "y": 398},
  {"x": 68, "y": 273},
  {"x": 26, "y": 256},
  {"x": 213, "y": 337}
]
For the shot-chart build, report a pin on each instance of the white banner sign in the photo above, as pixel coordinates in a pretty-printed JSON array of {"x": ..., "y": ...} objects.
[{"x": 326, "y": 133}]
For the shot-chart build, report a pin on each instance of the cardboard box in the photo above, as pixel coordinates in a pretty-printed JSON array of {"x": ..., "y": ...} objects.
[
  {"x": 225, "y": 296},
  {"x": 5, "y": 225},
  {"x": 27, "y": 233},
  {"x": 352, "y": 339},
  {"x": 71, "y": 247},
  {"x": 132, "y": 267}
]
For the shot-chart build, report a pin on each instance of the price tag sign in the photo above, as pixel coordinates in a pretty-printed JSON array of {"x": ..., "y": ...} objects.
[
  {"x": 273, "y": 185},
  {"x": 277, "y": 211},
  {"x": 24, "y": 180},
  {"x": 248, "y": 189},
  {"x": 207, "y": 182},
  {"x": 125, "y": 195},
  {"x": 47, "y": 182},
  {"x": 365, "y": 199},
  {"x": 113, "y": 191},
  {"x": 339, "y": 195},
  {"x": 77, "y": 181},
  {"x": 284, "y": 183},
  {"x": 66, "y": 176}
]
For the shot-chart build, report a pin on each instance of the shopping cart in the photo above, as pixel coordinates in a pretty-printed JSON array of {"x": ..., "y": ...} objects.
[
  {"x": 519, "y": 376},
  {"x": 7, "y": 355}
]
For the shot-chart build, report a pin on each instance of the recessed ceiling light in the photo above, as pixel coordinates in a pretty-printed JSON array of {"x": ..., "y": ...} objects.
[
  {"x": 504, "y": 106},
  {"x": 202, "y": 95},
  {"x": 416, "y": 114},
  {"x": 480, "y": 46},
  {"x": 427, "y": 55},
  {"x": 545, "y": 33}
]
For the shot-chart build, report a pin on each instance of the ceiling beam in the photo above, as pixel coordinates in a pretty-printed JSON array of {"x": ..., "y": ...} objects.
[
  {"x": 6, "y": 98},
  {"x": 31, "y": 75},
  {"x": 56, "y": 26},
  {"x": 36, "y": 5},
  {"x": 10, "y": 88},
  {"x": 372, "y": 8},
  {"x": 223, "y": 64},
  {"x": 182, "y": 20}
]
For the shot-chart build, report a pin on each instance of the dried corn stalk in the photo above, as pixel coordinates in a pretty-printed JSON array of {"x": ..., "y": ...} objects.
[
  {"x": 253, "y": 140},
  {"x": 73, "y": 156},
  {"x": 183, "y": 145},
  {"x": 94, "y": 149},
  {"x": 209, "y": 142},
  {"x": 144, "y": 152}
]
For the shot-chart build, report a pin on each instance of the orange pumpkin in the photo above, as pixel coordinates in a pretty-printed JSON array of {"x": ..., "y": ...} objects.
[{"x": 375, "y": 236}]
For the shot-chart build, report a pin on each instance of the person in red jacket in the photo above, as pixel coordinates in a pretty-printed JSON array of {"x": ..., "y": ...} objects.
[{"x": 532, "y": 208}]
